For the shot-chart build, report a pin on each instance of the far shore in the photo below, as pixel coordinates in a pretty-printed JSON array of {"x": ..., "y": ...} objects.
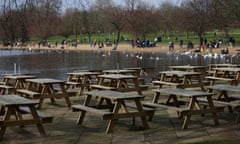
[{"x": 163, "y": 48}]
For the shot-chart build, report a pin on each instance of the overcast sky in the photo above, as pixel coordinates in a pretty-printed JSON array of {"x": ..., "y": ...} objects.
[
  {"x": 71, "y": 3},
  {"x": 152, "y": 2}
]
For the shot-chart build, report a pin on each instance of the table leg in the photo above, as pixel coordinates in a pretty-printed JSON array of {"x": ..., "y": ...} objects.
[
  {"x": 142, "y": 113},
  {"x": 66, "y": 97},
  {"x": 188, "y": 117},
  {"x": 156, "y": 97},
  {"x": 9, "y": 111},
  {"x": 46, "y": 91},
  {"x": 83, "y": 113},
  {"x": 136, "y": 84},
  {"x": 213, "y": 110},
  {"x": 115, "y": 113},
  {"x": 39, "y": 124}
]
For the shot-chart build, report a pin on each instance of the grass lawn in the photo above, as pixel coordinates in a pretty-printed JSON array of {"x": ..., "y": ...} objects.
[{"x": 125, "y": 37}]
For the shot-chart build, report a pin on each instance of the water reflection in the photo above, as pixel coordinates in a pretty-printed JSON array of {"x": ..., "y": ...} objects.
[{"x": 56, "y": 63}]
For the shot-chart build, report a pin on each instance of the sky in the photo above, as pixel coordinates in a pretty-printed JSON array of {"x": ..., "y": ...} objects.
[
  {"x": 71, "y": 3},
  {"x": 151, "y": 2}
]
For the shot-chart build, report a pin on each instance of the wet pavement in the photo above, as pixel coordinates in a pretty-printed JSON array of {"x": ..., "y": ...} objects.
[{"x": 165, "y": 128}]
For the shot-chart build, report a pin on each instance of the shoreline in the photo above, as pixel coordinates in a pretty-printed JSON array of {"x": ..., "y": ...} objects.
[{"x": 163, "y": 48}]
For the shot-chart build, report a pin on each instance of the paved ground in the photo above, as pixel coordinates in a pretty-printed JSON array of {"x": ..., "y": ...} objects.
[{"x": 164, "y": 128}]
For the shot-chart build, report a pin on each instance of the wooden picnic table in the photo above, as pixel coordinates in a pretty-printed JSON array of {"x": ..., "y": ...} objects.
[
  {"x": 180, "y": 79},
  {"x": 12, "y": 82},
  {"x": 173, "y": 102},
  {"x": 10, "y": 104},
  {"x": 229, "y": 74},
  {"x": 46, "y": 88},
  {"x": 17, "y": 81},
  {"x": 112, "y": 112},
  {"x": 81, "y": 79},
  {"x": 118, "y": 82}
]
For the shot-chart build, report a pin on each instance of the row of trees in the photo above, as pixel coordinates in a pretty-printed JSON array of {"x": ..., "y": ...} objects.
[{"x": 21, "y": 20}]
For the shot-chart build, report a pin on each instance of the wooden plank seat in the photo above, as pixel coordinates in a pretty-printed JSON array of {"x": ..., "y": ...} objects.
[
  {"x": 149, "y": 111},
  {"x": 224, "y": 104},
  {"x": 104, "y": 113},
  {"x": 72, "y": 83},
  {"x": 73, "y": 92},
  {"x": 45, "y": 118},
  {"x": 28, "y": 93},
  {"x": 181, "y": 111},
  {"x": 101, "y": 87},
  {"x": 76, "y": 84},
  {"x": 220, "y": 78},
  {"x": 212, "y": 72},
  {"x": 2, "y": 83},
  {"x": 141, "y": 86},
  {"x": 6, "y": 89},
  {"x": 160, "y": 83}
]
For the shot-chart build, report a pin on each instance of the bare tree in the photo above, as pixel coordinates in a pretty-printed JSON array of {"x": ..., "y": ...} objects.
[
  {"x": 117, "y": 18},
  {"x": 14, "y": 20},
  {"x": 168, "y": 13},
  {"x": 197, "y": 14},
  {"x": 46, "y": 12}
]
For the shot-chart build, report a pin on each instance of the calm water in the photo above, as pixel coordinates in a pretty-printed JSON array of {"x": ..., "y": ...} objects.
[{"x": 56, "y": 63}]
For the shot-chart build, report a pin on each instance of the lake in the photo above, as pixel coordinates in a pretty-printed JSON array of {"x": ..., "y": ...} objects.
[{"x": 56, "y": 63}]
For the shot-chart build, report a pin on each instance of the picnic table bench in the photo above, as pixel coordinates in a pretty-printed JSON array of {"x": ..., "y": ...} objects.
[
  {"x": 212, "y": 79},
  {"x": 223, "y": 104},
  {"x": 6, "y": 89},
  {"x": 173, "y": 102},
  {"x": 45, "y": 118}
]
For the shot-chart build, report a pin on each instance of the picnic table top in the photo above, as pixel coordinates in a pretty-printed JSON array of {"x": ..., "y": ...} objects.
[
  {"x": 19, "y": 76},
  {"x": 45, "y": 81},
  {"x": 9, "y": 100}
]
